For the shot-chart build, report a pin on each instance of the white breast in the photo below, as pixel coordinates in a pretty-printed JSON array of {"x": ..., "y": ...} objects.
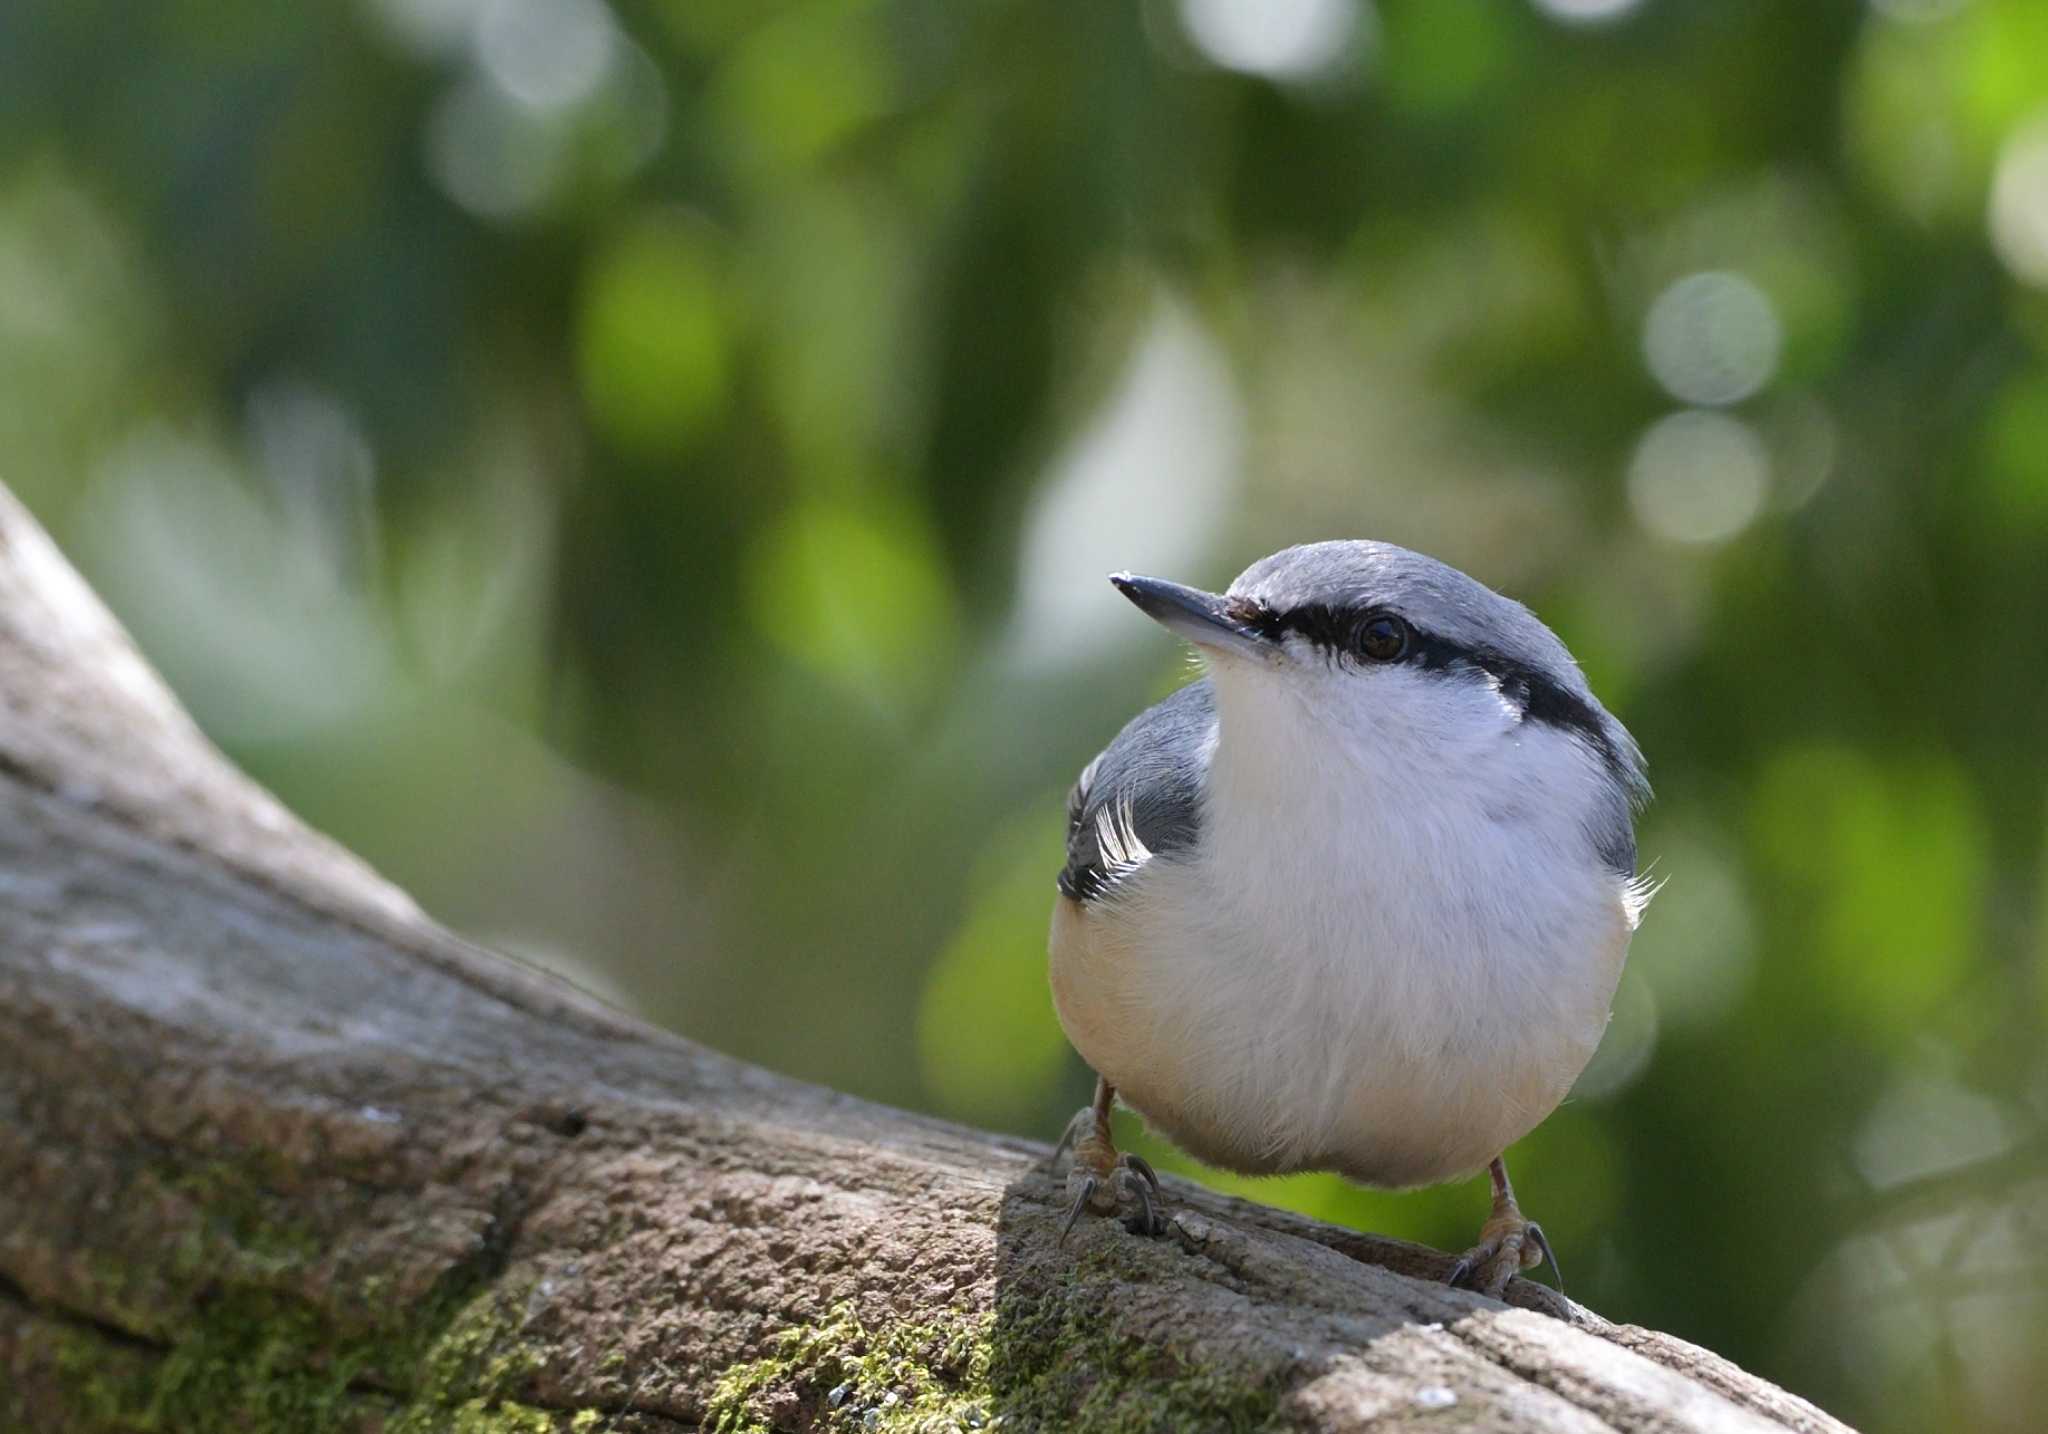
[{"x": 1392, "y": 955}]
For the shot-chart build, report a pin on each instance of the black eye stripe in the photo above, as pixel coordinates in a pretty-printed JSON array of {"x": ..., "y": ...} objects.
[
  {"x": 1340, "y": 630},
  {"x": 1321, "y": 624},
  {"x": 1534, "y": 694}
]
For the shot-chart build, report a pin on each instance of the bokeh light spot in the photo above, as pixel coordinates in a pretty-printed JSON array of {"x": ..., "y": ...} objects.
[
  {"x": 1924, "y": 1125},
  {"x": 1698, "y": 477},
  {"x": 548, "y": 54},
  {"x": 1586, "y": 12},
  {"x": 242, "y": 604},
  {"x": 1278, "y": 39},
  {"x": 651, "y": 336},
  {"x": 858, "y": 595},
  {"x": 427, "y": 28},
  {"x": 313, "y": 451},
  {"x": 804, "y": 82},
  {"x": 2019, "y": 204},
  {"x": 1930, "y": 105},
  {"x": 1712, "y": 338},
  {"x": 1144, "y": 486},
  {"x": 492, "y": 156}
]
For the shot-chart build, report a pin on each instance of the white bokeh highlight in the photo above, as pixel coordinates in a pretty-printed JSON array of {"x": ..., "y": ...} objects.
[
  {"x": 2018, "y": 218},
  {"x": 1698, "y": 477},
  {"x": 429, "y": 29},
  {"x": 489, "y": 154},
  {"x": 1924, "y": 1125},
  {"x": 1293, "y": 40},
  {"x": 1587, "y": 12},
  {"x": 234, "y": 594},
  {"x": 546, "y": 54},
  {"x": 1145, "y": 486},
  {"x": 1712, "y": 338}
]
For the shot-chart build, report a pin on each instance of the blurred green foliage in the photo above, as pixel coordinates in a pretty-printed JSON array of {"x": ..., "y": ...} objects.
[{"x": 643, "y": 476}]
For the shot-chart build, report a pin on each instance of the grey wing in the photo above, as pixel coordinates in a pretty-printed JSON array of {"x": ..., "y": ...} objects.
[
  {"x": 1612, "y": 825},
  {"x": 1613, "y": 832},
  {"x": 1142, "y": 796}
]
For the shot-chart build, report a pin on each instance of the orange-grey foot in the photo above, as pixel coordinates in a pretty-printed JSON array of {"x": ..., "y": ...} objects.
[
  {"x": 1509, "y": 1243},
  {"x": 1104, "y": 1179}
]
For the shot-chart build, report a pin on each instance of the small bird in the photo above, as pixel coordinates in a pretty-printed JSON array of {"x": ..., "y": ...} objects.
[{"x": 1356, "y": 900}]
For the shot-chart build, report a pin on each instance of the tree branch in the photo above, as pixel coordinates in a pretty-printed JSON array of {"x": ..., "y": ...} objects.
[{"x": 276, "y": 1151}]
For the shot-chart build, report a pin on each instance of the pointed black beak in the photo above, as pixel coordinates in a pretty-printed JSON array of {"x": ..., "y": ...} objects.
[{"x": 1208, "y": 620}]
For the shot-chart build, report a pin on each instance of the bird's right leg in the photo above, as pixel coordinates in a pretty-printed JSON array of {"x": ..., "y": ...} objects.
[
  {"x": 1509, "y": 1242},
  {"x": 1101, "y": 1177}
]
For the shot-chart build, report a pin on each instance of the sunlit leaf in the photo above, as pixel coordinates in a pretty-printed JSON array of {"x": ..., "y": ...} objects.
[
  {"x": 652, "y": 341},
  {"x": 803, "y": 82},
  {"x": 857, "y": 594}
]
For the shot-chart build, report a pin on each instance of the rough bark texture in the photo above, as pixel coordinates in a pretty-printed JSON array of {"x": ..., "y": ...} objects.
[{"x": 277, "y": 1152}]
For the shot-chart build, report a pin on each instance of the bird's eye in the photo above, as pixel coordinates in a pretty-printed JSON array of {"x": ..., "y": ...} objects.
[{"x": 1383, "y": 638}]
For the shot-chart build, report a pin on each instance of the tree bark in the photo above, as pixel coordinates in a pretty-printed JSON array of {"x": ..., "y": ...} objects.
[{"x": 278, "y": 1152}]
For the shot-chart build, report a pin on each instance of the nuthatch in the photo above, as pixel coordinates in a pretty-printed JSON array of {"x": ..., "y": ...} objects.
[{"x": 1358, "y": 899}]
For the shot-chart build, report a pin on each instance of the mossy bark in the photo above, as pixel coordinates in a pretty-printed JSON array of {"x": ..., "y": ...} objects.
[{"x": 278, "y": 1153}]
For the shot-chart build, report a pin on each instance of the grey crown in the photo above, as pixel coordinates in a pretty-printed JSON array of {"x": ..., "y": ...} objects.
[{"x": 1435, "y": 597}]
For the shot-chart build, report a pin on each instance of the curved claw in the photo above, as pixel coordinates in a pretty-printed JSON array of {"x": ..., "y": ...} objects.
[
  {"x": 1145, "y": 1219},
  {"x": 1101, "y": 1177},
  {"x": 1460, "y": 1273},
  {"x": 1130, "y": 1178},
  {"x": 1535, "y": 1239},
  {"x": 1089, "y": 1185}
]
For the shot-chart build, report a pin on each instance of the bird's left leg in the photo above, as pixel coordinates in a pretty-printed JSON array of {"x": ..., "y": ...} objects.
[
  {"x": 1508, "y": 1243},
  {"x": 1102, "y": 1178}
]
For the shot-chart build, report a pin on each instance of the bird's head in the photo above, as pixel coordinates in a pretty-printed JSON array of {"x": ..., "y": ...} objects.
[{"x": 1387, "y": 654}]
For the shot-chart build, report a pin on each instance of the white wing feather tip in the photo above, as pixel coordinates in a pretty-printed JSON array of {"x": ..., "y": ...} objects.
[{"x": 1116, "y": 837}]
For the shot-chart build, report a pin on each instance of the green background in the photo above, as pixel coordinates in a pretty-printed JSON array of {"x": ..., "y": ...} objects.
[{"x": 643, "y": 477}]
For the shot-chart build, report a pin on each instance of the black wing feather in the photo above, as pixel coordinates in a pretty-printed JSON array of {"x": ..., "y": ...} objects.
[{"x": 1147, "y": 785}]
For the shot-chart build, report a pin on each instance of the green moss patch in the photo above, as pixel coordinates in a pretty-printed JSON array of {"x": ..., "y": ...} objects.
[
  {"x": 839, "y": 1374},
  {"x": 1050, "y": 1361},
  {"x": 258, "y": 1362},
  {"x": 1061, "y": 1362}
]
